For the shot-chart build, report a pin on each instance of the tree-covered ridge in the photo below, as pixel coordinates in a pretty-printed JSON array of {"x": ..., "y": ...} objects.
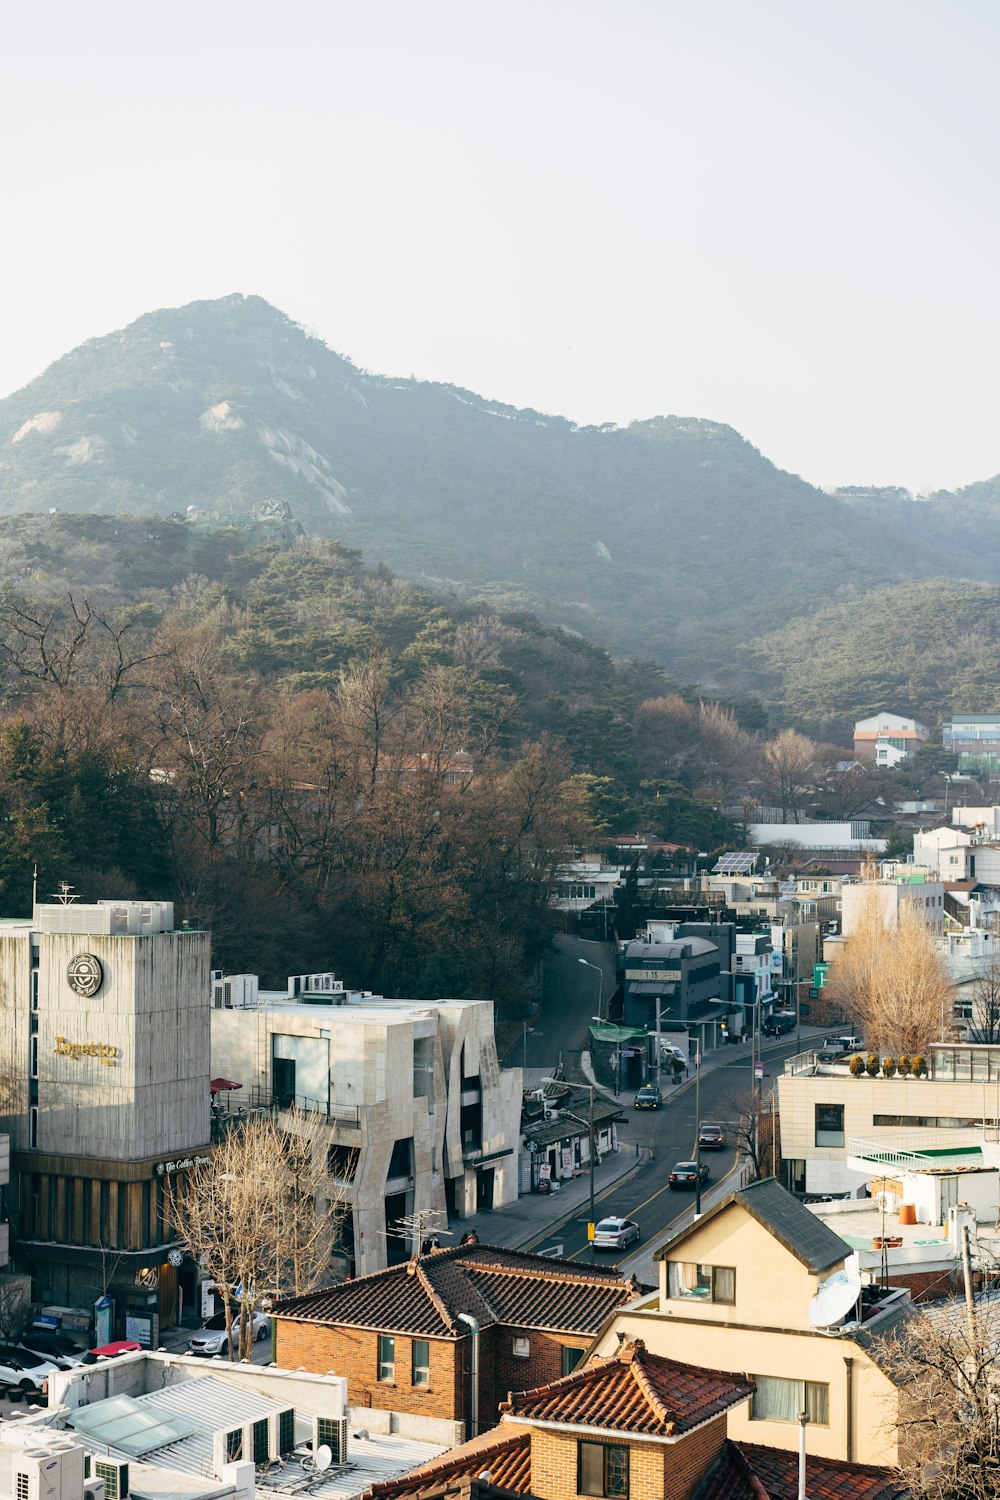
[
  {"x": 671, "y": 539},
  {"x": 928, "y": 649}
]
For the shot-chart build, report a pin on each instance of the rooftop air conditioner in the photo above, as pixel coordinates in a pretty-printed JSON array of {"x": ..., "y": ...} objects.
[
  {"x": 114, "y": 1473},
  {"x": 282, "y": 1432},
  {"x": 330, "y": 1432},
  {"x": 93, "y": 1489}
]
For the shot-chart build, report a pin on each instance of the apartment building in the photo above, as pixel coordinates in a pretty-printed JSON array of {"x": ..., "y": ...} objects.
[
  {"x": 888, "y": 739},
  {"x": 420, "y": 1114},
  {"x": 898, "y": 887}
]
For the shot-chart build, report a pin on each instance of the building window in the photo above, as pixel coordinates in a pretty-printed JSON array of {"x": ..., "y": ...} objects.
[
  {"x": 33, "y": 1057},
  {"x": 829, "y": 1124},
  {"x": 386, "y": 1357},
  {"x": 701, "y": 1283},
  {"x": 602, "y": 1469},
  {"x": 421, "y": 1362},
  {"x": 521, "y": 1348},
  {"x": 779, "y": 1400},
  {"x": 571, "y": 1357},
  {"x": 33, "y": 1127}
]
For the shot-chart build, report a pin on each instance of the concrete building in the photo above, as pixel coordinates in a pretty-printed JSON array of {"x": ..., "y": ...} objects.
[
  {"x": 898, "y": 887},
  {"x": 420, "y": 1115},
  {"x": 104, "y": 1036},
  {"x": 975, "y": 739},
  {"x": 834, "y": 839},
  {"x": 684, "y": 976},
  {"x": 888, "y": 739},
  {"x": 823, "y": 1109}
]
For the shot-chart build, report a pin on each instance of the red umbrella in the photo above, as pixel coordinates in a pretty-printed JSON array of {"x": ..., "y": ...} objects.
[{"x": 223, "y": 1085}]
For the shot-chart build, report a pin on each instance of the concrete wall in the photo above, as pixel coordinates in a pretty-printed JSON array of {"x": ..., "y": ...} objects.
[{"x": 137, "y": 1374}]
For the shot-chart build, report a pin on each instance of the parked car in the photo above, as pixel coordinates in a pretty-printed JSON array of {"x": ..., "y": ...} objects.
[
  {"x": 22, "y": 1369},
  {"x": 110, "y": 1351},
  {"x": 615, "y": 1234},
  {"x": 211, "y": 1339},
  {"x": 671, "y": 1054},
  {"x": 830, "y": 1052},
  {"x": 648, "y": 1097},
  {"x": 848, "y": 1042},
  {"x": 52, "y": 1345},
  {"x": 687, "y": 1174},
  {"x": 711, "y": 1138}
]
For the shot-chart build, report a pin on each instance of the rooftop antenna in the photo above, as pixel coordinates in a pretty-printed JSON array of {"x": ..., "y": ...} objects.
[
  {"x": 413, "y": 1227},
  {"x": 65, "y": 895}
]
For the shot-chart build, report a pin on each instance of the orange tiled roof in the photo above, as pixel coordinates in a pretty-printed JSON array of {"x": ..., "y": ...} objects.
[
  {"x": 425, "y": 1295},
  {"x": 501, "y": 1453},
  {"x": 633, "y": 1391},
  {"x": 749, "y": 1471}
]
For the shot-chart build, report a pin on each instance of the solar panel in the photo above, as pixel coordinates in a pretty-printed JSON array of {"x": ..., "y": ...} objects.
[
  {"x": 788, "y": 887},
  {"x": 735, "y": 863}
]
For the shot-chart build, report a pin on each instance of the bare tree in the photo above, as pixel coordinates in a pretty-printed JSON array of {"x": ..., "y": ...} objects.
[
  {"x": 891, "y": 982},
  {"x": 984, "y": 992},
  {"x": 944, "y": 1363},
  {"x": 752, "y": 1125},
  {"x": 787, "y": 763},
  {"x": 15, "y": 1301},
  {"x": 260, "y": 1216}
]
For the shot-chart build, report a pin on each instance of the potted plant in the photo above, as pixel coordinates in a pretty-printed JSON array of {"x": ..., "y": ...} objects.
[
  {"x": 903, "y": 1065},
  {"x": 919, "y": 1066},
  {"x": 871, "y": 1066},
  {"x": 888, "y": 1067},
  {"x": 857, "y": 1066}
]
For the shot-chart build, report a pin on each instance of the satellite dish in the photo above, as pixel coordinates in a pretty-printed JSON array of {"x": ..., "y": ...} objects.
[
  {"x": 835, "y": 1299},
  {"x": 323, "y": 1459}
]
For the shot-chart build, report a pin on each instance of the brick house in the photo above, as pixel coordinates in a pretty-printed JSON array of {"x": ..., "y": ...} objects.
[
  {"x": 403, "y": 1339},
  {"x": 636, "y": 1426}
]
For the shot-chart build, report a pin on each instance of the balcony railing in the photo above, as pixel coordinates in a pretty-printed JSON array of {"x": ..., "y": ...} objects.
[
  {"x": 920, "y": 1150},
  {"x": 348, "y": 1116}
]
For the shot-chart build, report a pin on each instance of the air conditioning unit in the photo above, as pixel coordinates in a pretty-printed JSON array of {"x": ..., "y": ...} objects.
[
  {"x": 227, "y": 1448},
  {"x": 48, "y": 1475},
  {"x": 330, "y": 1432},
  {"x": 93, "y": 1489},
  {"x": 114, "y": 1472},
  {"x": 282, "y": 1432}
]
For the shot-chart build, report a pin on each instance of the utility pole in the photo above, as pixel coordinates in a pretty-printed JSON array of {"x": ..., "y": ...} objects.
[
  {"x": 600, "y": 972},
  {"x": 592, "y": 1220},
  {"x": 697, "y": 1126}
]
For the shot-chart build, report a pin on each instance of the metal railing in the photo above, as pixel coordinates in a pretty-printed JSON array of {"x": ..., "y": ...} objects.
[
  {"x": 919, "y": 1149},
  {"x": 346, "y": 1115}
]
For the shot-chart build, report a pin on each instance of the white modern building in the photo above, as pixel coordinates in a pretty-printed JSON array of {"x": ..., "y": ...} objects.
[
  {"x": 898, "y": 888},
  {"x": 421, "y": 1116},
  {"x": 846, "y": 838},
  {"x": 888, "y": 739}
]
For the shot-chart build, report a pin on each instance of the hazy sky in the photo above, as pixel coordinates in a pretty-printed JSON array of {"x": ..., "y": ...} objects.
[{"x": 781, "y": 214}]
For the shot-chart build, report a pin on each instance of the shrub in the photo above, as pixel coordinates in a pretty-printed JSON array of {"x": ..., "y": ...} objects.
[
  {"x": 871, "y": 1066},
  {"x": 919, "y": 1066},
  {"x": 888, "y": 1067},
  {"x": 857, "y": 1066},
  {"x": 903, "y": 1064}
]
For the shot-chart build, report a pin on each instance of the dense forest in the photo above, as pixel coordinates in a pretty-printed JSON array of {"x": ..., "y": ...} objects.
[{"x": 331, "y": 768}]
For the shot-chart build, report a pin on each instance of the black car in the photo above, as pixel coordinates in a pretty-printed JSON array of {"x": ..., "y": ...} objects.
[
  {"x": 51, "y": 1344},
  {"x": 648, "y": 1097},
  {"x": 687, "y": 1174},
  {"x": 711, "y": 1138}
]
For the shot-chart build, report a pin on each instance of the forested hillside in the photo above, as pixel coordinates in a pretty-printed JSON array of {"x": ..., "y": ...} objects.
[{"x": 671, "y": 539}]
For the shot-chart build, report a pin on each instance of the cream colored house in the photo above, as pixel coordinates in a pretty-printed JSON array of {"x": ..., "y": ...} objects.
[{"x": 735, "y": 1291}]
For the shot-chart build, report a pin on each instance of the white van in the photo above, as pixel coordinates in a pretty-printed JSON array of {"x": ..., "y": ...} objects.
[{"x": 848, "y": 1043}]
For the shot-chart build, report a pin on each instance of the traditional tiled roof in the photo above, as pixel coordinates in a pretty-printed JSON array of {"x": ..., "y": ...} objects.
[
  {"x": 802, "y": 1233},
  {"x": 425, "y": 1295},
  {"x": 634, "y": 1392},
  {"x": 503, "y": 1454},
  {"x": 748, "y": 1471}
]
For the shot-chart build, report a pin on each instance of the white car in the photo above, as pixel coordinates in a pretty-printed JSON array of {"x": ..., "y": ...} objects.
[
  {"x": 615, "y": 1234},
  {"x": 21, "y": 1368},
  {"x": 212, "y": 1338}
]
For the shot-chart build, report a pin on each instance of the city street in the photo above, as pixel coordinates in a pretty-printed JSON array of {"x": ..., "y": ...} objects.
[{"x": 570, "y": 994}]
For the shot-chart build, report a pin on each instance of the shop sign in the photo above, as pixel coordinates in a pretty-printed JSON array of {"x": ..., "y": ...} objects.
[
  {"x": 103, "y": 1051},
  {"x": 85, "y": 974},
  {"x": 165, "y": 1168},
  {"x": 658, "y": 976}
]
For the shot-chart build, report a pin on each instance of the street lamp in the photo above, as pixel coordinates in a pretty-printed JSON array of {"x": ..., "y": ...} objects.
[
  {"x": 590, "y": 1125},
  {"x": 600, "y": 973}
]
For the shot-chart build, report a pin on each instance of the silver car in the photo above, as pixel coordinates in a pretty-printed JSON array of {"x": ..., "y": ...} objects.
[
  {"x": 615, "y": 1234},
  {"x": 212, "y": 1338}
]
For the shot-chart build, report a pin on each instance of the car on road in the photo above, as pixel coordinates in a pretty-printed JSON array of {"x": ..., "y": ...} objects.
[
  {"x": 687, "y": 1174},
  {"x": 615, "y": 1234},
  {"x": 648, "y": 1097},
  {"x": 212, "y": 1338},
  {"x": 711, "y": 1138},
  {"x": 21, "y": 1369}
]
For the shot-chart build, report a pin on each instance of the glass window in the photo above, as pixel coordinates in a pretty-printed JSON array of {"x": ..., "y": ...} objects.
[
  {"x": 386, "y": 1357},
  {"x": 780, "y": 1400},
  {"x": 571, "y": 1357},
  {"x": 421, "y": 1364},
  {"x": 602, "y": 1469},
  {"x": 521, "y": 1348},
  {"x": 698, "y": 1283},
  {"x": 829, "y": 1124}
]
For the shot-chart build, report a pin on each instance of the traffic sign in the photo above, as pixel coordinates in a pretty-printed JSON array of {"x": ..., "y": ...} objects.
[
  {"x": 758, "y": 1069},
  {"x": 590, "y": 1230}
]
